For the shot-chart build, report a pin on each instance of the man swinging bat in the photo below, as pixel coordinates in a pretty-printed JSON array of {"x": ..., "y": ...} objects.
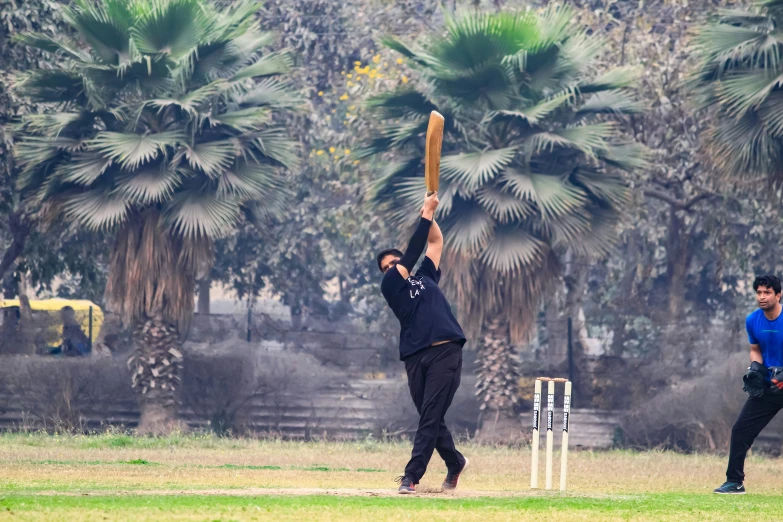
[
  {"x": 763, "y": 382},
  {"x": 431, "y": 342},
  {"x": 431, "y": 339}
]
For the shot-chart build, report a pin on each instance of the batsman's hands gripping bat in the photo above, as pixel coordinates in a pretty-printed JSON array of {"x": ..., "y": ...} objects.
[
  {"x": 430, "y": 204},
  {"x": 432, "y": 152}
]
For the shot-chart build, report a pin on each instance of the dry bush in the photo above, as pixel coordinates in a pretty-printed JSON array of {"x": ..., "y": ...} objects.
[
  {"x": 216, "y": 387},
  {"x": 694, "y": 415},
  {"x": 396, "y": 414},
  {"x": 289, "y": 383},
  {"x": 232, "y": 383},
  {"x": 60, "y": 394}
]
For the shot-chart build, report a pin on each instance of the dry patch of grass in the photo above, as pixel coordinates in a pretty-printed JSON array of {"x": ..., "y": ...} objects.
[
  {"x": 116, "y": 477},
  {"x": 189, "y": 463}
]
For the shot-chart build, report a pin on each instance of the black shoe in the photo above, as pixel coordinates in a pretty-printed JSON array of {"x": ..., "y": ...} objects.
[
  {"x": 452, "y": 479},
  {"x": 731, "y": 488},
  {"x": 407, "y": 487}
]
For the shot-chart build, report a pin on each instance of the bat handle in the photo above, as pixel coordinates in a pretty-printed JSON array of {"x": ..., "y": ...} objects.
[{"x": 430, "y": 193}]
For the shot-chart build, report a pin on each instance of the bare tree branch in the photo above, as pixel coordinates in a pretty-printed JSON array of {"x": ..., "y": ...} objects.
[{"x": 676, "y": 203}]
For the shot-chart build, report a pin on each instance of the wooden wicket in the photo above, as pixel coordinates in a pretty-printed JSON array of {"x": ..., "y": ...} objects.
[{"x": 550, "y": 416}]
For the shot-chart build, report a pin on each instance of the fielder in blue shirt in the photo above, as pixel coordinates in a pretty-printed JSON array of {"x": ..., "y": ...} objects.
[{"x": 763, "y": 382}]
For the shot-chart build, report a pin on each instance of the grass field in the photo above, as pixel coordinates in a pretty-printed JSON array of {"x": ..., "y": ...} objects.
[{"x": 117, "y": 477}]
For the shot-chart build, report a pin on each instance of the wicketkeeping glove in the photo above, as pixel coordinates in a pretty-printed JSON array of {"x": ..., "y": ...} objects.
[{"x": 753, "y": 381}]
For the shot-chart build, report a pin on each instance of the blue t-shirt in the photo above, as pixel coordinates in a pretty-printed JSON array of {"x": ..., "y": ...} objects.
[
  {"x": 422, "y": 309},
  {"x": 768, "y": 335}
]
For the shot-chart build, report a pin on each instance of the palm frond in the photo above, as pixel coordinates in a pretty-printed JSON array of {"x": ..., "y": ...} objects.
[
  {"x": 85, "y": 168},
  {"x": 467, "y": 232},
  {"x": 252, "y": 181},
  {"x": 503, "y": 205},
  {"x": 742, "y": 92},
  {"x": 536, "y": 113},
  {"x": 58, "y": 47},
  {"x": 271, "y": 92},
  {"x": 270, "y": 65},
  {"x": 626, "y": 156},
  {"x": 604, "y": 186},
  {"x": 397, "y": 45},
  {"x": 589, "y": 138},
  {"x": 50, "y": 86},
  {"x": 53, "y": 124},
  {"x": 132, "y": 150},
  {"x": 511, "y": 249},
  {"x": 154, "y": 184},
  {"x": 391, "y": 172},
  {"x": 211, "y": 157},
  {"x": 243, "y": 120},
  {"x": 612, "y": 102},
  {"x": 107, "y": 32},
  {"x": 171, "y": 28},
  {"x": 197, "y": 213},
  {"x": 192, "y": 100},
  {"x": 96, "y": 209},
  {"x": 616, "y": 78},
  {"x": 277, "y": 145},
  {"x": 401, "y": 103},
  {"x": 473, "y": 169},
  {"x": 554, "y": 196}
]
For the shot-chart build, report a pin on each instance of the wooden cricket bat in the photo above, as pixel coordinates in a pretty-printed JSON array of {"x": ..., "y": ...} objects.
[{"x": 432, "y": 153}]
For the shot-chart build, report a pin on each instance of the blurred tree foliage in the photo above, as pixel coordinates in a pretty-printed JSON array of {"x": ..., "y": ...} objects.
[{"x": 75, "y": 258}]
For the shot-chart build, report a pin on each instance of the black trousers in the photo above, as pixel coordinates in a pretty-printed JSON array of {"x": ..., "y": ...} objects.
[
  {"x": 756, "y": 414},
  {"x": 433, "y": 379}
]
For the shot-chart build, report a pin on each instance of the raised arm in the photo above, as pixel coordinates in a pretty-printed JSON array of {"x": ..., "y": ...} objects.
[
  {"x": 419, "y": 239},
  {"x": 435, "y": 244}
]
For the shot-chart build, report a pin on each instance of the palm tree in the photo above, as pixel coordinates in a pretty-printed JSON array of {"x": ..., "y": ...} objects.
[
  {"x": 161, "y": 131},
  {"x": 738, "y": 75},
  {"x": 531, "y": 159}
]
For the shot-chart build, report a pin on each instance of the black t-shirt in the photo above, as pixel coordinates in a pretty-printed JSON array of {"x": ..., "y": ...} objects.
[{"x": 422, "y": 309}]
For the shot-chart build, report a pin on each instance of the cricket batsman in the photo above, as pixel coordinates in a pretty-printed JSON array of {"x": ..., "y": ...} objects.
[
  {"x": 431, "y": 342},
  {"x": 763, "y": 382}
]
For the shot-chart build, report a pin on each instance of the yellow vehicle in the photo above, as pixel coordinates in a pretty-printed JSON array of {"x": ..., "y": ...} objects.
[{"x": 54, "y": 331}]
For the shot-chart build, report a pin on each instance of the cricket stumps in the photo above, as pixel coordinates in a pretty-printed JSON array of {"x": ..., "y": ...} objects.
[{"x": 550, "y": 417}]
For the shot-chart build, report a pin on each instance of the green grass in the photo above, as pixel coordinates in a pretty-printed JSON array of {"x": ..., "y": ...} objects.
[
  {"x": 201, "y": 477},
  {"x": 637, "y": 507}
]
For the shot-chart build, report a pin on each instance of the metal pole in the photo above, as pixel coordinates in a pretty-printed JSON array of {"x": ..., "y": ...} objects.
[
  {"x": 570, "y": 352},
  {"x": 90, "y": 329},
  {"x": 249, "y": 318}
]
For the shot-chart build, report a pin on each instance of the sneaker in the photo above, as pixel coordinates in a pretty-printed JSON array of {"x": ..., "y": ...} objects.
[
  {"x": 731, "y": 488},
  {"x": 452, "y": 479},
  {"x": 407, "y": 487}
]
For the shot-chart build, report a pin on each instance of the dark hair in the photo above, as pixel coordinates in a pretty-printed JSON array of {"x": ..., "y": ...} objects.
[
  {"x": 769, "y": 281},
  {"x": 387, "y": 252}
]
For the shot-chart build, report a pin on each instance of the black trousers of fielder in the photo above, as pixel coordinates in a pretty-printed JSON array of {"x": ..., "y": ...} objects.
[
  {"x": 433, "y": 378},
  {"x": 756, "y": 414}
]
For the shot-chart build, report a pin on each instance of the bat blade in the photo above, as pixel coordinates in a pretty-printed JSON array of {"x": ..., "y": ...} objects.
[{"x": 432, "y": 152}]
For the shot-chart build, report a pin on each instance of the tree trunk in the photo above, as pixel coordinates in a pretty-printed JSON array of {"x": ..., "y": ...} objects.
[
  {"x": 576, "y": 283},
  {"x": 556, "y": 328},
  {"x": 498, "y": 372},
  {"x": 678, "y": 259},
  {"x": 628, "y": 291},
  {"x": 156, "y": 365},
  {"x": 203, "y": 296},
  {"x": 26, "y": 326},
  {"x": 20, "y": 230}
]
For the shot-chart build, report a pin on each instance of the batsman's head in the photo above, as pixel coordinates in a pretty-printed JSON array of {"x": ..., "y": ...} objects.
[
  {"x": 767, "y": 289},
  {"x": 388, "y": 258}
]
